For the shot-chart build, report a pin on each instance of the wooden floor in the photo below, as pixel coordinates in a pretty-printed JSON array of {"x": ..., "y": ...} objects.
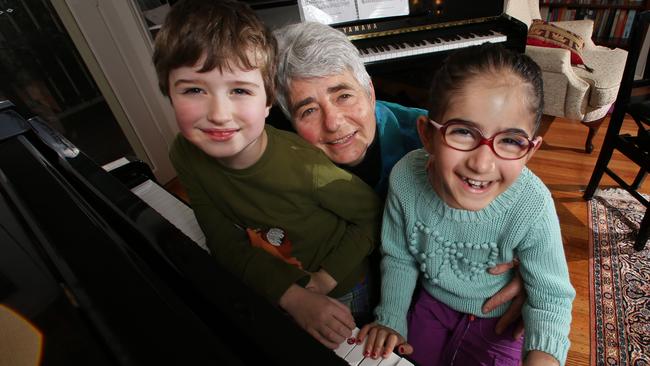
[{"x": 565, "y": 168}]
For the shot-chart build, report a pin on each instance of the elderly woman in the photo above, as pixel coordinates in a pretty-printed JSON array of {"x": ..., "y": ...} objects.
[{"x": 326, "y": 92}]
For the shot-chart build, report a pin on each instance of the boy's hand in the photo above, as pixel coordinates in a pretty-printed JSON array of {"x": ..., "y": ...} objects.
[
  {"x": 326, "y": 319},
  {"x": 321, "y": 282},
  {"x": 382, "y": 341},
  {"x": 539, "y": 358},
  {"x": 514, "y": 291}
]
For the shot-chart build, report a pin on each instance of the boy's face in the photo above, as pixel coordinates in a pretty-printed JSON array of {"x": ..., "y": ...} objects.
[
  {"x": 221, "y": 113},
  {"x": 470, "y": 180}
]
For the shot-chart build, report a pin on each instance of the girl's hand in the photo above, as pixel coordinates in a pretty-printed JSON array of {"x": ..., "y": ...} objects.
[{"x": 381, "y": 341}]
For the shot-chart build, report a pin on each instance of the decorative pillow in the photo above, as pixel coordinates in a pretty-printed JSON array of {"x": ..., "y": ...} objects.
[{"x": 543, "y": 34}]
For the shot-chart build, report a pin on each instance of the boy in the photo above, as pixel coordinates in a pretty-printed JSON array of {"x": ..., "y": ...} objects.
[{"x": 274, "y": 209}]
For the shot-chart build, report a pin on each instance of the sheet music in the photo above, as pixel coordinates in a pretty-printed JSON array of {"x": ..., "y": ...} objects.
[
  {"x": 328, "y": 11},
  {"x": 370, "y": 9},
  {"x": 339, "y": 11},
  {"x": 171, "y": 208}
]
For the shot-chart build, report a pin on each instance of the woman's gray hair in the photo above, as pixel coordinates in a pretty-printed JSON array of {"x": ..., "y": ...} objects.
[{"x": 312, "y": 50}]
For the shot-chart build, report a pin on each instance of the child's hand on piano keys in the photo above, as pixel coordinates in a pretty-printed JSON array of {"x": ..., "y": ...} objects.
[
  {"x": 321, "y": 282},
  {"x": 381, "y": 341},
  {"x": 326, "y": 319}
]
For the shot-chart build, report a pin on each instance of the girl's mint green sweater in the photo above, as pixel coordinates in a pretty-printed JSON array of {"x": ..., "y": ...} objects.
[{"x": 450, "y": 250}]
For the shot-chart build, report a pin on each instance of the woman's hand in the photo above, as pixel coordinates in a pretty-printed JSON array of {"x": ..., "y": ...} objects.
[
  {"x": 381, "y": 341},
  {"x": 514, "y": 291}
]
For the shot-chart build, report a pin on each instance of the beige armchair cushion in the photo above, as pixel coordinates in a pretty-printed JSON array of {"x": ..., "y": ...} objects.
[
  {"x": 572, "y": 91},
  {"x": 608, "y": 65},
  {"x": 560, "y": 82}
]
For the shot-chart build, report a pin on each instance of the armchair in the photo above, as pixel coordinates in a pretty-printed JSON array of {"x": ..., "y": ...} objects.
[{"x": 573, "y": 92}]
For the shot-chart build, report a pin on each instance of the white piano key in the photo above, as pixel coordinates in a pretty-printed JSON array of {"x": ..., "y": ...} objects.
[
  {"x": 371, "y": 362},
  {"x": 404, "y": 362},
  {"x": 391, "y": 360},
  {"x": 355, "y": 356},
  {"x": 345, "y": 347}
]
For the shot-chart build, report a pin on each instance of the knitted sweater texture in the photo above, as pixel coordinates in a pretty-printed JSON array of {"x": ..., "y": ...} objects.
[
  {"x": 450, "y": 250},
  {"x": 330, "y": 217}
]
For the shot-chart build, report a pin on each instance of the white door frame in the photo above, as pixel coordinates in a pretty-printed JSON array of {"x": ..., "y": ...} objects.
[{"x": 116, "y": 46}]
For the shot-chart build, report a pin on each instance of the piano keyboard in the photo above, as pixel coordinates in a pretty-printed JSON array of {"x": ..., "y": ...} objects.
[
  {"x": 352, "y": 352},
  {"x": 426, "y": 46},
  {"x": 175, "y": 211},
  {"x": 167, "y": 205}
]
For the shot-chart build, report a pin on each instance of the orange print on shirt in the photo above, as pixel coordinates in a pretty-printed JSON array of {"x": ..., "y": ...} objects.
[{"x": 275, "y": 242}]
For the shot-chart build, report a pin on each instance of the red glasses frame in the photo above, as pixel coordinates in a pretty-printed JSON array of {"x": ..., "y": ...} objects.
[{"x": 483, "y": 141}]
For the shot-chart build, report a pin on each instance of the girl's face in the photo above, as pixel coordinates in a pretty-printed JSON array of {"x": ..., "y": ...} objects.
[{"x": 470, "y": 180}]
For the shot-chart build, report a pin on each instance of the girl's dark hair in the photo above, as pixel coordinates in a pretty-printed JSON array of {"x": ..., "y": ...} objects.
[
  {"x": 467, "y": 64},
  {"x": 227, "y": 32}
]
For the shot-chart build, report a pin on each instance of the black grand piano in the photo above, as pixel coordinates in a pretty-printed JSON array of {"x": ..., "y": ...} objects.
[{"x": 106, "y": 280}]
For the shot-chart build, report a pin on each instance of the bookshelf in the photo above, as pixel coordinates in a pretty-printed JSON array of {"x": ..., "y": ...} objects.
[{"x": 612, "y": 18}]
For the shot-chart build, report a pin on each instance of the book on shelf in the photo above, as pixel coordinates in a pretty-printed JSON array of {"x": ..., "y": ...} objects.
[
  {"x": 608, "y": 19},
  {"x": 612, "y": 28},
  {"x": 598, "y": 21},
  {"x": 628, "y": 23},
  {"x": 620, "y": 24}
]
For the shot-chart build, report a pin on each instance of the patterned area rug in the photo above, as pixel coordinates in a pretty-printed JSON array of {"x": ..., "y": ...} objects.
[{"x": 620, "y": 278}]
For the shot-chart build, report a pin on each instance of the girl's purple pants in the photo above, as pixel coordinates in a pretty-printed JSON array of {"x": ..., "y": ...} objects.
[{"x": 443, "y": 336}]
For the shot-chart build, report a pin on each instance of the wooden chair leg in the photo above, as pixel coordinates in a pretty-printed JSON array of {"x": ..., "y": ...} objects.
[{"x": 593, "y": 128}]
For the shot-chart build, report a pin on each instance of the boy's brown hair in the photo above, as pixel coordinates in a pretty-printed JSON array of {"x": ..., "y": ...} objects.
[{"x": 227, "y": 32}]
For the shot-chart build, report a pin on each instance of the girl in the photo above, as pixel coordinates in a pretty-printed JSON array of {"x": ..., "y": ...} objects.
[{"x": 463, "y": 203}]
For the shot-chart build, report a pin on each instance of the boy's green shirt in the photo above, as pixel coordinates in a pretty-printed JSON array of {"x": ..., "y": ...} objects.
[{"x": 330, "y": 217}]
